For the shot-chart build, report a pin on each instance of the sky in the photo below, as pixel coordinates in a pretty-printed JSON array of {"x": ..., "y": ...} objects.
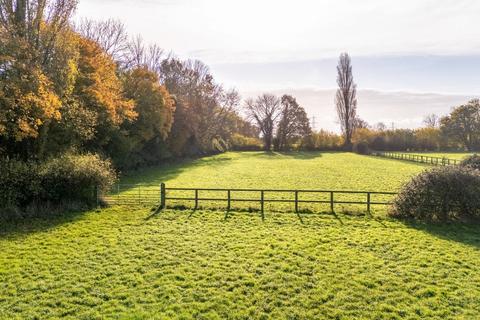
[{"x": 410, "y": 57}]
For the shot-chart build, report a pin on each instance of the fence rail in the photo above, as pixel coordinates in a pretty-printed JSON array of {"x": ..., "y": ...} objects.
[
  {"x": 163, "y": 196},
  {"x": 437, "y": 161}
]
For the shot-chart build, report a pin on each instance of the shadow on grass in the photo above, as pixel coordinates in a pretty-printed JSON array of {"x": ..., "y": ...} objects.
[
  {"x": 298, "y": 155},
  {"x": 468, "y": 234},
  {"x": 169, "y": 171},
  {"x": 420, "y": 164},
  {"x": 20, "y": 227}
]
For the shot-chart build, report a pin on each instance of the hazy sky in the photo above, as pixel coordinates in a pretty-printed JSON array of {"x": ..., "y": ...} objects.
[{"x": 400, "y": 48}]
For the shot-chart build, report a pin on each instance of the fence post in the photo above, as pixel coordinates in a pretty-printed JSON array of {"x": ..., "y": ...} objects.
[
  {"x": 196, "y": 199},
  {"x": 228, "y": 196},
  {"x": 296, "y": 201},
  {"x": 162, "y": 195},
  {"x": 262, "y": 204},
  {"x": 368, "y": 202},
  {"x": 97, "y": 200},
  {"x": 331, "y": 201}
]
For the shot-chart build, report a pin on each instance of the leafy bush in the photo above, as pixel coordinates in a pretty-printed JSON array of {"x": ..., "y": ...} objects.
[
  {"x": 67, "y": 178},
  {"x": 75, "y": 177},
  {"x": 242, "y": 143},
  {"x": 19, "y": 182},
  {"x": 361, "y": 147},
  {"x": 472, "y": 161},
  {"x": 440, "y": 194}
]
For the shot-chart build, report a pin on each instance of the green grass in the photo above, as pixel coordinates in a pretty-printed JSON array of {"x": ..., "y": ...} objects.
[
  {"x": 118, "y": 263},
  {"x": 305, "y": 170},
  {"x": 125, "y": 263}
]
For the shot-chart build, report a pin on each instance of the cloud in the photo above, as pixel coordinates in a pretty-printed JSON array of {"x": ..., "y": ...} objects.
[{"x": 298, "y": 30}]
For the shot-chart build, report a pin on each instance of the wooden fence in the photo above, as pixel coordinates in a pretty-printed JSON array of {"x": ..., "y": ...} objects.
[
  {"x": 164, "y": 196},
  {"x": 437, "y": 161}
]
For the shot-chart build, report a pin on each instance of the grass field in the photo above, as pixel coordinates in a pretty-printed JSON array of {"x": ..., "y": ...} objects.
[
  {"x": 124, "y": 263},
  {"x": 305, "y": 170}
]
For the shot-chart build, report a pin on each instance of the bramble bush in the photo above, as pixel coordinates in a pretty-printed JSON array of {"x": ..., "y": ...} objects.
[
  {"x": 440, "y": 194},
  {"x": 67, "y": 178}
]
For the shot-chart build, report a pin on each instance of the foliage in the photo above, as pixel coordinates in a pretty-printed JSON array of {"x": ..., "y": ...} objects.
[
  {"x": 19, "y": 182},
  {"x": 440, "y": 194},
  {"x": 68, "y": 177},
  {"x": 463, "y": 125},
  {"x": 205, "y": 112},
  {"x": 361, "y": 148},
  {"x": 89, "y": 88},
  {"x": 99, "y": 88},
  {"x": 242, "y": 143},
  {"x": 420, "y": 139},
  {"x": 323, "y": 140},
  {"x": 75, "y": 177},
  {"x": 138, "y": 142},
  {"x": 293, "y": 124},
  {"x": 472, "y": 161},
  {"x": 27, "y": 101}
]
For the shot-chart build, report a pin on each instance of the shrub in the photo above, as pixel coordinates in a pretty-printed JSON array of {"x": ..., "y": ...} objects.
[
  {"x": 75, "y": 177},
  {"x": 472, "y": 161},
  {"x": 361, "y": 147},
  {"x": 19, "y": 183},
  {"x": 440, "y": 194},
  {"x": 242, "y": 143}
]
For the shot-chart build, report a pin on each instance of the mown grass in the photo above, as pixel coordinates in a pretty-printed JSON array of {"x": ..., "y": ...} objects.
[
  {"x": 124, "y": 262},
  {"x": 260, "y": 170},
  {"x": 118, "y": 263}
]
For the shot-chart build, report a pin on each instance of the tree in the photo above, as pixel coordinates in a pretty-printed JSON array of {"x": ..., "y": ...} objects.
[
  {"x": 293, "y": 123},
  {"x": 204, "y": 108},
  {"x": 463, "y": 124},
  {"x": 99, "y": 90},
  {"x": 346, "y": 98},
  {"x": 37, "y": 69},
  {"x": 264, "y": 111},
  {"x": 380, "y": 126},
  {"x": 428, "y": 138},
  {"x": 142, "y": 141},
  {"x": 431, "y": 120},
  {"x": 361, "y": 124},
  {"x": 109, "y": 34}
]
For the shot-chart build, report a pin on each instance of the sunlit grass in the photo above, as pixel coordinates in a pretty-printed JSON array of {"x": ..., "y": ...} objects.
[
  {"x": 125, "y": 262},
  {"x": 118, "y": 263},
  {"x": 296, "y": 171}
]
